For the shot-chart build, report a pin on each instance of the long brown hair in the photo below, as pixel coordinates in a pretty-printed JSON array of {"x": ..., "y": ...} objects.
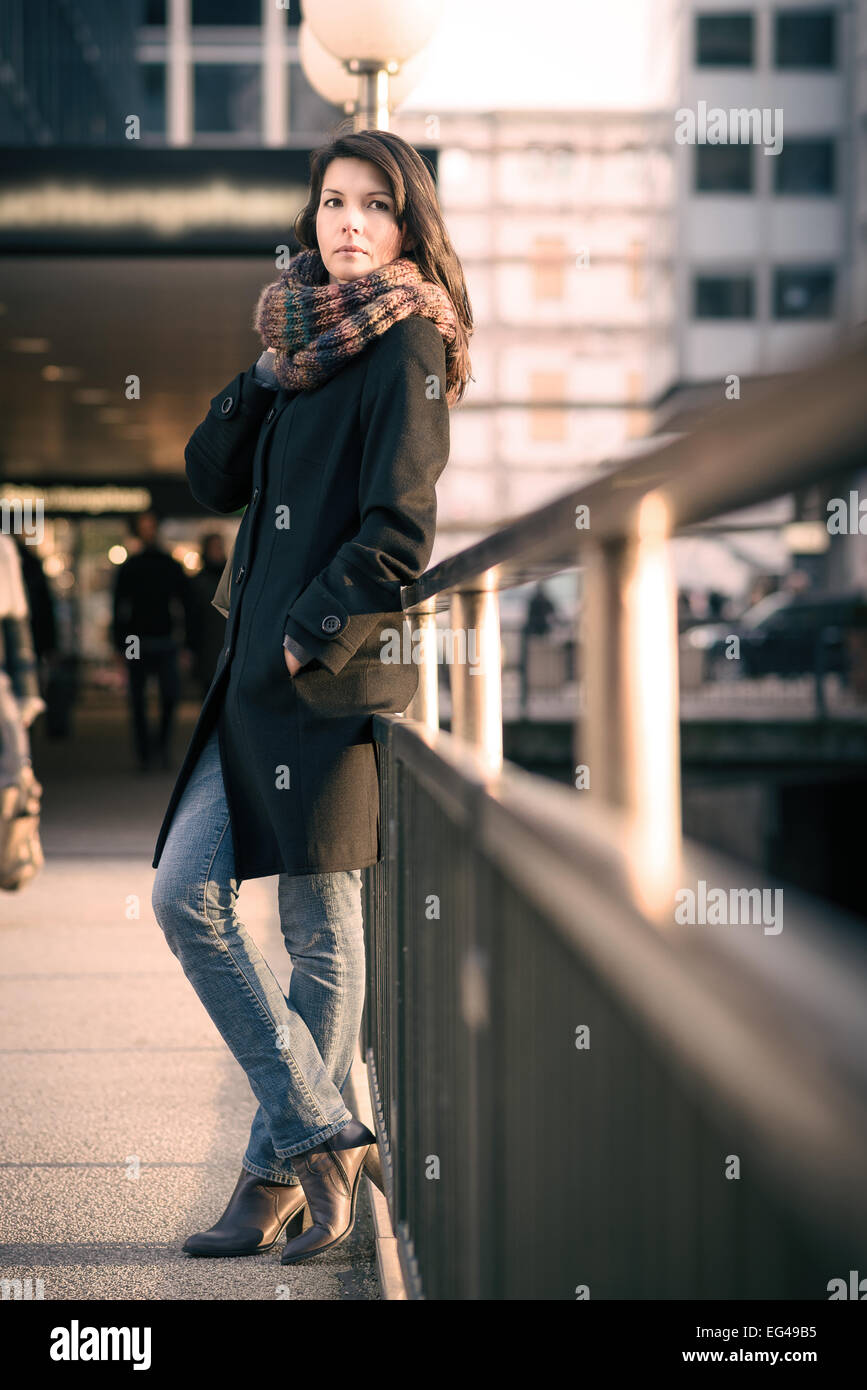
[{"x": 417, "y": 209}]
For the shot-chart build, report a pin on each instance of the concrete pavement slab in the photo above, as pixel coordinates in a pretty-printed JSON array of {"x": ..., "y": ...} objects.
[{"x": 125, "y": 1116}]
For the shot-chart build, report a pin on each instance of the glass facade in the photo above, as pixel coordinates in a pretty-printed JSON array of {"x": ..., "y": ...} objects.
[
  {"x": 153, "y": 78},
  {"x": 228, "y": 98},
  {"x": 227, "y": 12},
  {"x": 72, "y": 73},
  {"x": 68, "y": 75}
]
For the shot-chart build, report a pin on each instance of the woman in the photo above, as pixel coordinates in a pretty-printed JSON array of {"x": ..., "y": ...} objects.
[{"x": 334, "y": 441}]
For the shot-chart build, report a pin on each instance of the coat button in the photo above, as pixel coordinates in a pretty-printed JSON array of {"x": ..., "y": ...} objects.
[
  {"x": 271, "y": 413},
  {"x": 240, "y": 575},
  {"x": 331, "y": 623},
  {"x": 227, "y": 404},
  {"x": 254, "y": 497}
]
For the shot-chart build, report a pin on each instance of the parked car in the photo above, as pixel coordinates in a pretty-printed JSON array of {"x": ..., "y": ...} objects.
[{"x": 784, "y": 634}]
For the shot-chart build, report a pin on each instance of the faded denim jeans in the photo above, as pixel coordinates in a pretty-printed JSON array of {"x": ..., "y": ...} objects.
[{"x": 297, "y": 1048}]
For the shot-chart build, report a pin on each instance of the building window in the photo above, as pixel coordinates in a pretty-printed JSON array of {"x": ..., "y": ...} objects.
[
  {"x": 548, "y": 261},
  {"x": 723, "y": 297},
  {"x": 803, "y": 294},
  {"x": 153, "y": 82},
  {"x": 805, "y": 167},
  {"x": 724, "y": 168},
  {"x": 547, "y": 422},
  {"x": 804, "y": 39},
  {"x": 227, "y": 11},
  {"x": 724, "y": 40},
  {"x": 228, "y": 98}
]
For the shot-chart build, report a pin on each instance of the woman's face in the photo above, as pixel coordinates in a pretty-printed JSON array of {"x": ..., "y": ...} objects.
[{"x": 356, "y": 208}]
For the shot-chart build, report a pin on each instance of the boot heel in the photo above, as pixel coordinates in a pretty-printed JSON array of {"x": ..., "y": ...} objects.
[
  {"x": 373, "y": 1168},
  {"x": 297, "y": 1223}
]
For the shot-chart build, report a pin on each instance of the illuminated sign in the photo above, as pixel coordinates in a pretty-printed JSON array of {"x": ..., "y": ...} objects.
[
  {"x": 92, "y": 499},
  {"x": 153, "y": 199}
]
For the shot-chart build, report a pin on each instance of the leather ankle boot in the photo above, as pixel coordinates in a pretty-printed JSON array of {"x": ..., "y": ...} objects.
[
  {"x": 329, "y": 1174},
  {"x": 258, "y": 1214}
]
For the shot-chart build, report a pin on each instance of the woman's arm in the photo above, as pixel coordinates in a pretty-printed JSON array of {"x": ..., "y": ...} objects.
[
  {"x": 219, "y": 455},
  {"x": 405, "y": 422}
]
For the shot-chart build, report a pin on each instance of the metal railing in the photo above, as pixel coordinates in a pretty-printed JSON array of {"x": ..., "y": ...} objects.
[{"x": 577, "y": 1094}]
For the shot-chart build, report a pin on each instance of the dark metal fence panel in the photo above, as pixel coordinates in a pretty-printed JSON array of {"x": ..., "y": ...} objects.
[{"x": 526, "y": 1167}]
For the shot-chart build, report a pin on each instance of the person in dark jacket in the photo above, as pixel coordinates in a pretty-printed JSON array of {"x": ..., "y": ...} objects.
[
  {"x": 540, "y": 615},
  {"x": 43, "y": 620},
  {"x": 209, "y": 629},
  {"x": 151, "y": 597},
  {"x": 333, "y": 441}
]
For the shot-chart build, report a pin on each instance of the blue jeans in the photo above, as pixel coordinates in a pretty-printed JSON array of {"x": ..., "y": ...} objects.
[{"x": 296, "y": 1048}]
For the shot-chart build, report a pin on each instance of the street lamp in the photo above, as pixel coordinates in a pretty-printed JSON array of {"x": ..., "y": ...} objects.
[
  {"x": 335, "y": 83},
  {"x": 372, "y": 42}
]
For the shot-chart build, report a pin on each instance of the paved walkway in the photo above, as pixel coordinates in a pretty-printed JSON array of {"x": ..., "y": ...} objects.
[{"x": 125, "y": 1116}]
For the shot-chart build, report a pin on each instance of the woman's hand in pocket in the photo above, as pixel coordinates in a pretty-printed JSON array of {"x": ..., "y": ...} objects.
[{"x": 292, "y": 662}]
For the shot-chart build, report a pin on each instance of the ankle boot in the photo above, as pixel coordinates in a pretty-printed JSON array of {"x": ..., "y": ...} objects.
[
  {"x": 258, "y": 1214},
  {"x": 329, "y": 1174}
]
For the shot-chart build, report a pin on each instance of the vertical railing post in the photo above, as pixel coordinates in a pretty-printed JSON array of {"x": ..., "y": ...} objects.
[
  {"x": 425, "y": 703},
  {"x": 476, "y": 676},
  {"x": 631, "y": 740},
  {"x": 600, "y": 744}
]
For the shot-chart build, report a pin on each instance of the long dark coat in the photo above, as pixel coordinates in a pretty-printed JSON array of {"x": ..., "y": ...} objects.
[{"x": 339, "y": 484}]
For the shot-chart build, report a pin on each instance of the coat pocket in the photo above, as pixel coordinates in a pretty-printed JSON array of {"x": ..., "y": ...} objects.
[{"x": 325, "y": 696}]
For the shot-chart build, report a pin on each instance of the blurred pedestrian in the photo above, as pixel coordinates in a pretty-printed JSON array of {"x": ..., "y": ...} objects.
[
  {"x": 152, "y": 603},
  {"x": 685, "y": 614},
  {"x": 20, "y": 702},
  {"x": 538, "y": 621}
]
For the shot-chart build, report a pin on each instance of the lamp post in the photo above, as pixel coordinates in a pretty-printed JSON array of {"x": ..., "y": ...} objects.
[
  {"x": 373, "y": 108},
  {"x": 372, "y": 44}
]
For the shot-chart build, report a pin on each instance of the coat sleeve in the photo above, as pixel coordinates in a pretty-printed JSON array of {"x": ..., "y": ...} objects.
[
  {"x": 404, "y": 421},
  {"x": 219, "y": 454}
]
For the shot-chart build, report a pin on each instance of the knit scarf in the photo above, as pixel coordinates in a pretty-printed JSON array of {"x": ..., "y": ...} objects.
[{"x": 315, "y": 327}]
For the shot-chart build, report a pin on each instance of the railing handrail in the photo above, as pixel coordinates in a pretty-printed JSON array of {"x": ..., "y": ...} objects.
[{"x": 788, "y": 434}]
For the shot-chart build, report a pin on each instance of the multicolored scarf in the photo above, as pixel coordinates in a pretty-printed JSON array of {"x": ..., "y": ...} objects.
[{"x": 316, "y": 327}]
